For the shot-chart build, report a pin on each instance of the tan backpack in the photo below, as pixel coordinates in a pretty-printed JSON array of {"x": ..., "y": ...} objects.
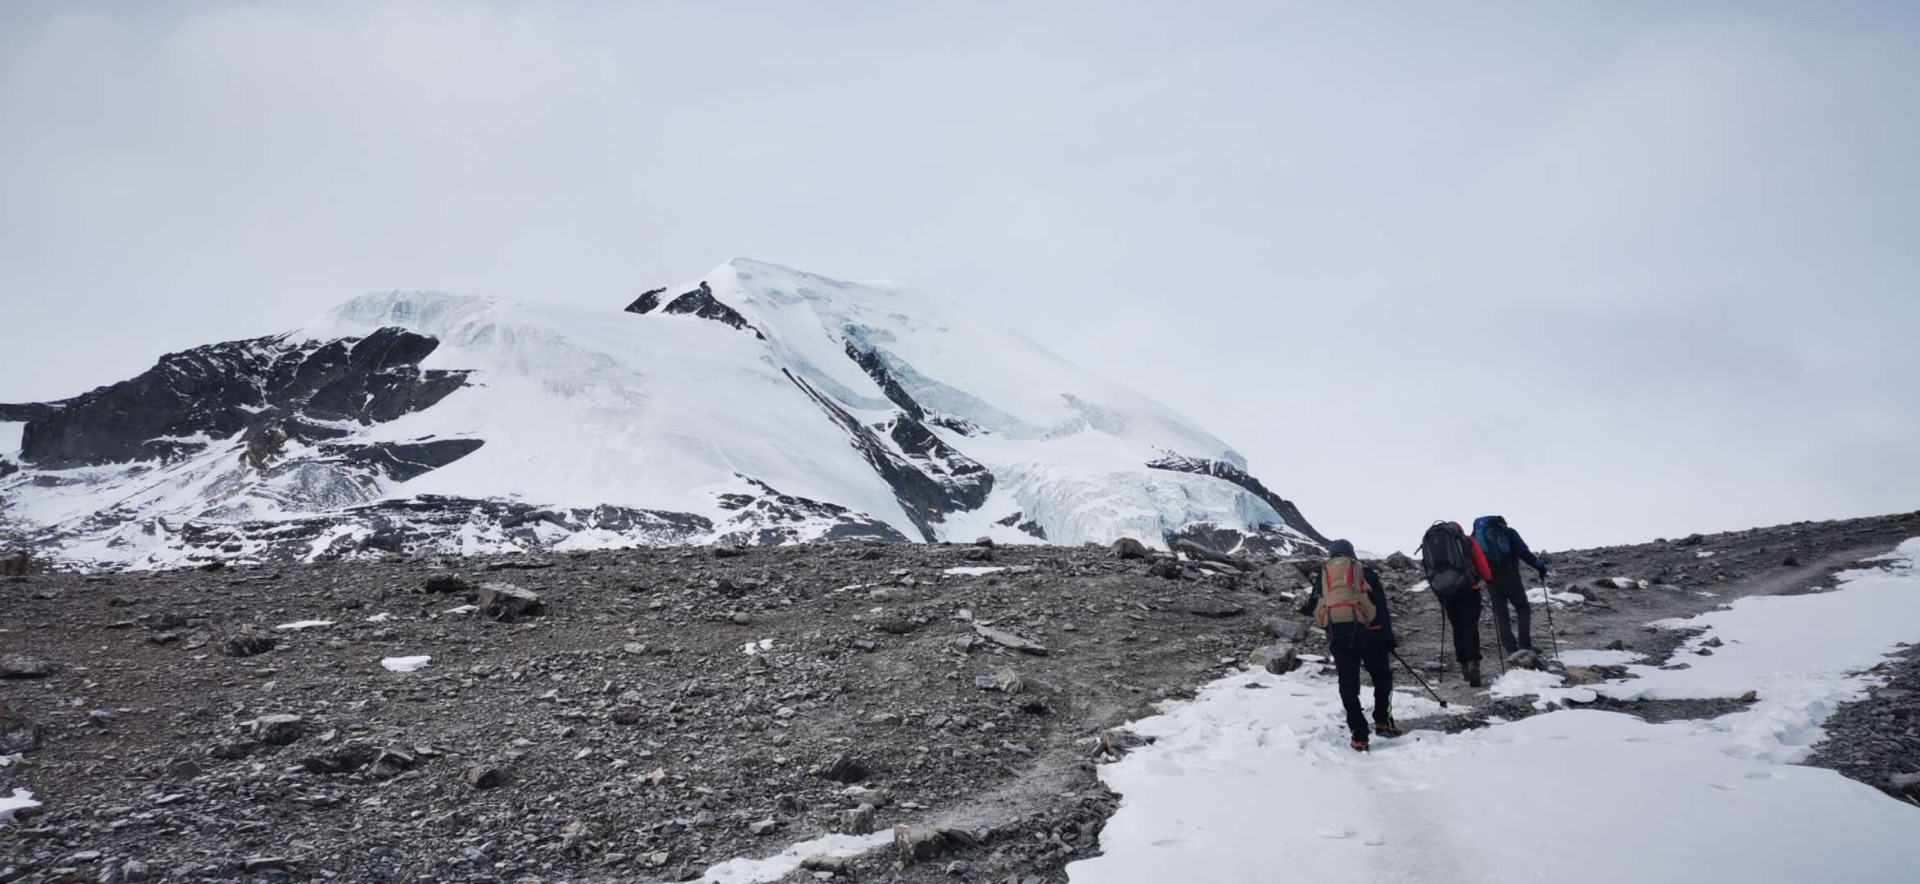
[{"x": 1343, "y": 594}]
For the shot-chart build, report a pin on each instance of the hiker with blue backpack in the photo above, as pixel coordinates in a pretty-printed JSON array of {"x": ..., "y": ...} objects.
[
  {"x": 1506, "y": 551},
  {"x": 1349, "y": 603}
]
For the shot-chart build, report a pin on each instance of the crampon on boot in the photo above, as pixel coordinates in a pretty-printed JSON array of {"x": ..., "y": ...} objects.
[
  {"x": 1358, "y": 745},
  {"x": 1387, "y": 728}
]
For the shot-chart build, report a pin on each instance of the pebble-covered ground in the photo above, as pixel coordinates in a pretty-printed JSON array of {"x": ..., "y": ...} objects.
[{"x": 642, "y": 715}]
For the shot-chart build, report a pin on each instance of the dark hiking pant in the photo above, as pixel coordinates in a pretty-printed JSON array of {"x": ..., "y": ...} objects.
[
  {"x": 1508, "y": 589},
  {"x": 1463, "y": 614},
  {"x": 1355, "y": 647}
]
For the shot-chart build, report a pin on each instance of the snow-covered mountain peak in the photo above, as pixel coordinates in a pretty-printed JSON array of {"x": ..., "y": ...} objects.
[{"x": 758, "y": 404}]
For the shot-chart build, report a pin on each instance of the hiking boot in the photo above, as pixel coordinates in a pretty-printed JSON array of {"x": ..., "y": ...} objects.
[
  {"x": 1471, "y": 669},
  {"x": 1358, "y": 745},
  {"x": 1386, "y": 729}
]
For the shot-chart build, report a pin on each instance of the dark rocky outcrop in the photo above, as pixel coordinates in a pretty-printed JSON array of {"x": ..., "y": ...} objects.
[
  {"x": 1024, "y": 524},
  {"x": 925, "y": 499},
  {"x": 699, "y": 302},
  {"x": 876, "y": 368},
  {"x": 401, "y": 461},
  {"x": 648, "y": 301},
  {"x": 272, "y": 389}
]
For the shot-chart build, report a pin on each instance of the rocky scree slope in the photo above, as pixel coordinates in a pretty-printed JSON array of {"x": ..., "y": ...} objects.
[
  {"x": 614, "y": 715},
  {"x": 759, "y": 406},
  {"x": 641, "y": 715}
]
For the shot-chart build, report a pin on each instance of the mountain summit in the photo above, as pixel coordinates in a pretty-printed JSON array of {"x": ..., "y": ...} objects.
[{"x": 759, "y": 405}]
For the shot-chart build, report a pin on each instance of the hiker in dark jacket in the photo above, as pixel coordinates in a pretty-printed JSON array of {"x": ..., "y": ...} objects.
[
  {"x": 1505, "y": 551},
  {"x": 1348, "y": 601}
]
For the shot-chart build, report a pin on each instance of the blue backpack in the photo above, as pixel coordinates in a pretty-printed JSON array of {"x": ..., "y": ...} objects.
[{"x": 1491, "y": 533}]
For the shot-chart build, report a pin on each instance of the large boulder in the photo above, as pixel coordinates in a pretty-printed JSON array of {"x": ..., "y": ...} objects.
[
  {"x": 246, "y": 644},
  {"x": 1010, "y": 641},
  {"x": 446, "y": 583},
  {"x": 506, "y": 602},
  {"x": 279, "y": 729},
  {"x": 23, "y": 666},
  {"x": 1279, "y": 658},
  {"x": 17, "y": 733},
  {"x": 1526, "y": 658},
  {"x": 1212, "y": 606},
  {"x": 1202, "y": 553},
  {"x": 844, "y": 768},
  {"x": 1284, "y": 629},
  {"x": 1129, "y": 548}
]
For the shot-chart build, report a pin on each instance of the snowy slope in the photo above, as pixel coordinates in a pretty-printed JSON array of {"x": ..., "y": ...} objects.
[
  {"x": 1252, "y": 781},
  {"x": 757, "y": 405}
]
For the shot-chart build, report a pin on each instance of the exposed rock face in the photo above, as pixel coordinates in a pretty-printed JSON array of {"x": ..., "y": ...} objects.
[
  {"x": 925, "y": 498},
  {"x": 302, "y": 390},
  {"x": 700, "y": 302},
  {"x": 647, "y": 302}
]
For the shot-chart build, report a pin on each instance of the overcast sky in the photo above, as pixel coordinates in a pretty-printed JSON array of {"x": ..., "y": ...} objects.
[{"x": 1617, "y": 270}]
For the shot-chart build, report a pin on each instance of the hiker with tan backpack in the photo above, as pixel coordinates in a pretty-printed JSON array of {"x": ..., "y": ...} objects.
[{"x": 1349, "y": 603}]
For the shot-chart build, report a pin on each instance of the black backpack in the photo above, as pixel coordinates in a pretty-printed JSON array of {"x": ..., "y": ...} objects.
[{"x": 1446, "y": 556}]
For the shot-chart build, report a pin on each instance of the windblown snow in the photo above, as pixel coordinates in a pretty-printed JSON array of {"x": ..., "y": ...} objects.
[
  {"x": 813, "y": 409},
  {"x": 1252, "y": 780}
]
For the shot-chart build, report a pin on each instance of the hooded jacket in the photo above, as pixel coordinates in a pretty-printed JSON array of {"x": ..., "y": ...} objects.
[{"x": 1515, "y": 543}]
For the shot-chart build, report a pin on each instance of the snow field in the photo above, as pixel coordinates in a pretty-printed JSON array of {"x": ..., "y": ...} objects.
[{"x": 1252, "y": 781}]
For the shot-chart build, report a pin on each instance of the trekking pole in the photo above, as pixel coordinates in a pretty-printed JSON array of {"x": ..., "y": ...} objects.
[
  {"x": 1501, "y": 650},
  {"x": 1416, "y": 677},
  {"x": 1546, "y": 593}
]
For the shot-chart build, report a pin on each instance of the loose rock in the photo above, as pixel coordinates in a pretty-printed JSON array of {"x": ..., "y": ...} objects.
[
  {"x": 506, "y": 602},
  {"x": 23, "y": 666},
  {"x": 1278, "y": 659}
]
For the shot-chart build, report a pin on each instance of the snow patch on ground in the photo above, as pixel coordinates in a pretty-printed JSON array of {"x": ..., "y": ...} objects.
[
  {"x": 21, "y": 799},
  {"x": 298, "y": 625},
  {"x": 779, "y": 865},
  {"x": 1803, "y": 655},
  {"x": 973, "y": 571},
  {"x": 1538, "y": 596},
  {"x": 1592, "y": 657},
  {"x": 406, "y": 664},
  {"x": 1253, "y": 775},
  {"x": 1548, "y": 689}
]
